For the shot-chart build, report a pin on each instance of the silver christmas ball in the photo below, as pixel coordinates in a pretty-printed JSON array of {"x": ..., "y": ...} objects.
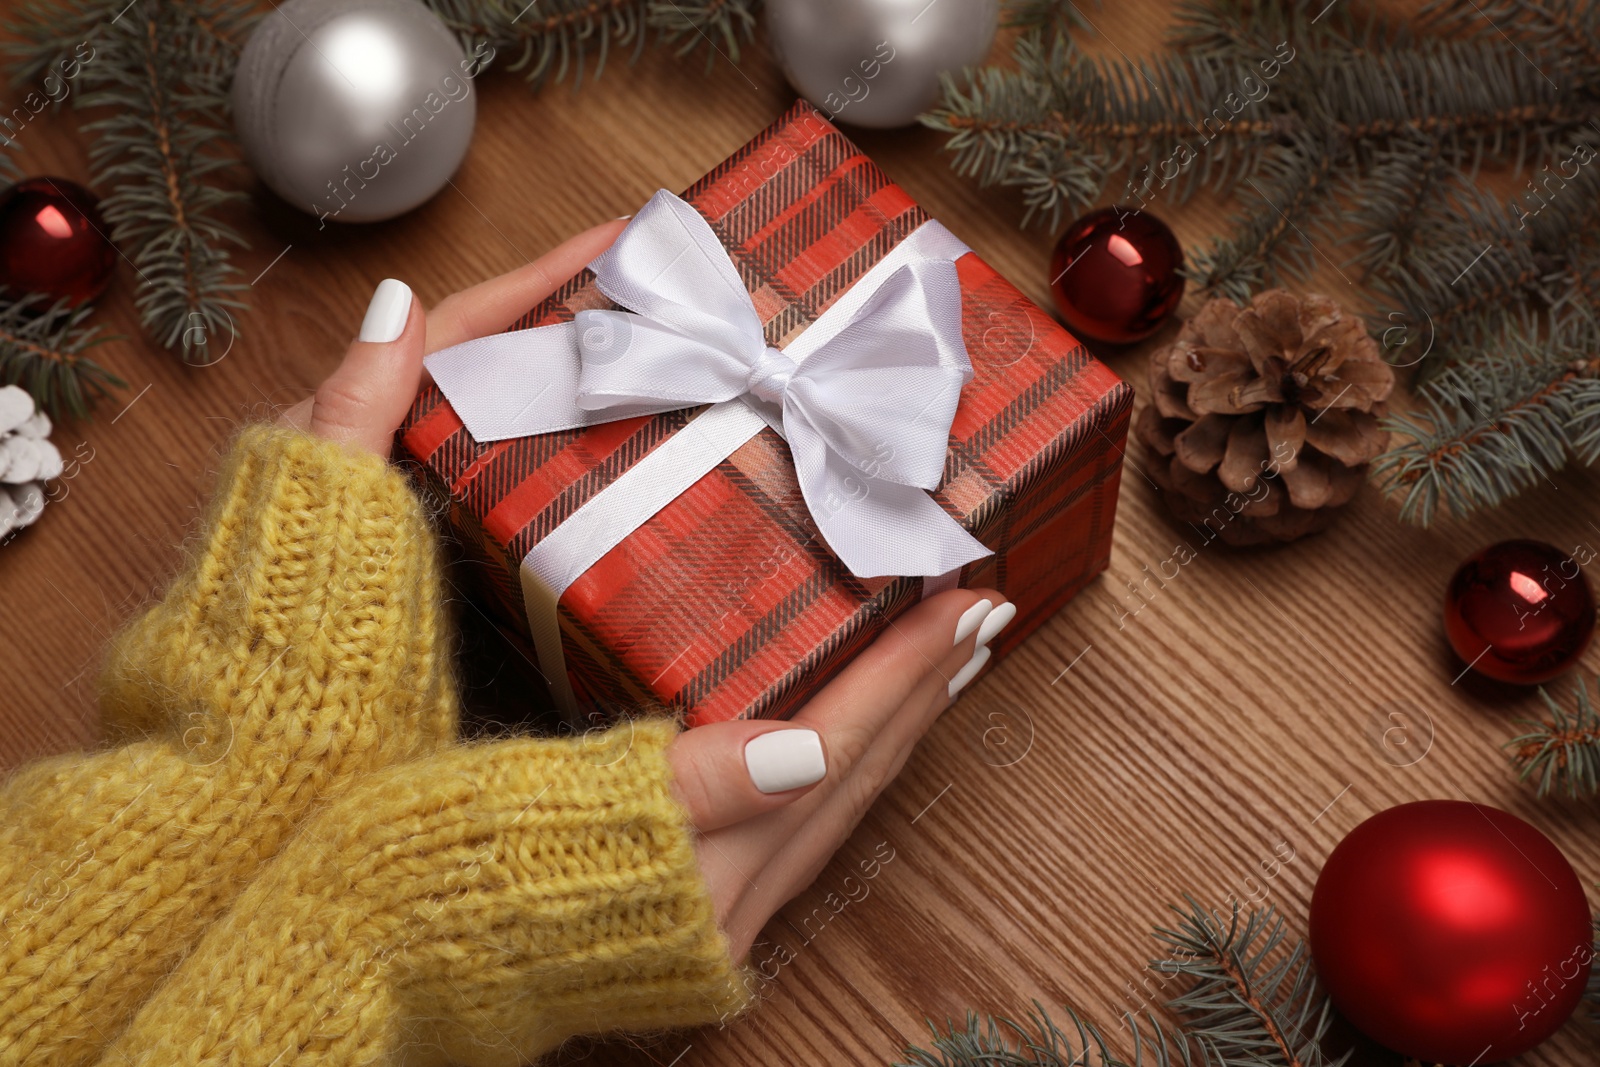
[
  {"x": 877, "y": 62},
  {"x": 354, "y": 110}
]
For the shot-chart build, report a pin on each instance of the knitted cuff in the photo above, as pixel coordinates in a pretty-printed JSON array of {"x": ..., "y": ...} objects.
[
  {"x": 308, "y": 619},
  {"x": 563, "y": 896},
  {"x": 474, "y": 907}
]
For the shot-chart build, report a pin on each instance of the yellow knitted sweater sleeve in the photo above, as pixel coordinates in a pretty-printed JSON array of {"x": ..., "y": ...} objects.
[
  {"x": 300, "y": 645},
  {"x": 288, "y": 858},
  {"x": 473, "y": 907}
]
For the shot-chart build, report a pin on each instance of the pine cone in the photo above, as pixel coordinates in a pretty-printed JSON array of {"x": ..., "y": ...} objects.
[
  {"x": 27, "y": 459},
  {"x": 1265, "y": 418}
]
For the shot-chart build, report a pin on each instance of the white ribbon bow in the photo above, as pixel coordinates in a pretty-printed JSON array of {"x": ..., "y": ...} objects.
[{"x": 865, "y": 396}]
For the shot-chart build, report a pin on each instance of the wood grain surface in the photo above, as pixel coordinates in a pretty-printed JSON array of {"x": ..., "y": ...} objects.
[{"x": 1214, "y": 733}]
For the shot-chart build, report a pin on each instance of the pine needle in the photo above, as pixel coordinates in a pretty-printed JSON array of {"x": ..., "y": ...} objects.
[
  {"x": 1593, "y": 992},
  {"x": 1492, "y": 427},
  {"x": 557, "y": 40},
  {"x": 1561, "y": 753},
  {"x": 1039, "y": 1042},
  {"x": 718, "y": 25},
  {"x": 1293, "y": 188},
  {"x": 1056, "y": 17},
  {"x": 42, "y": 350},
  {"x": 45, "y": 35},
  {"x": 9, "y": 170},
  {"x": 1252, "y": 1001},
  {"x": 1563, "y": 29}
]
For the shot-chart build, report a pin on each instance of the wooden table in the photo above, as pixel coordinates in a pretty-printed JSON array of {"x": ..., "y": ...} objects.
[{"x": 1115, "y": 762}]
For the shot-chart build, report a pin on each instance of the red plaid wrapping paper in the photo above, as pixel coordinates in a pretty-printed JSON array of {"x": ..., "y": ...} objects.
[{"x": 726, "y": 604}]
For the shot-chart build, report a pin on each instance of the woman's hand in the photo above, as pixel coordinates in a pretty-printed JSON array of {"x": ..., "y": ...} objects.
[
  {"x": 364, "y": 399},
  {"x": 827, "y": 764},
  {"x": 757, "y": 849}
]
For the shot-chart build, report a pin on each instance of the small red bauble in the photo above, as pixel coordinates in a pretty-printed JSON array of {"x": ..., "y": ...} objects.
[
  {"x": 1452, "y": 932},
  {"x": 52, "y": 241},
  {"x": 1520, "y": 611},
  {"x": 1115, "y": 275}
]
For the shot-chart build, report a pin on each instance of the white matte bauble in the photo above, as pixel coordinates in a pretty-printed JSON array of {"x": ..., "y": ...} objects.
[
  {"x": 354, "y": 110},
  {"x": 877, "y": 62}
]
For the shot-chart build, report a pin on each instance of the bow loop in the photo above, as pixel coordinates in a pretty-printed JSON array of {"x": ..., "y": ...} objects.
[
  {"x": 631, "y": 359},
  {"x": 883, "y": 391},
  {"x": 669, "y": 267}
]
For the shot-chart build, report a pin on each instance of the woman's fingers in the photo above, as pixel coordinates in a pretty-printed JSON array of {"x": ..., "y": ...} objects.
[
  {"x": 491, "y": 306},
  {"x": 755, "y": 866},
  {"x": 727, "y": 772},
  {"x": 936, "y": 637},
  {"x": 364, "y": 399}
]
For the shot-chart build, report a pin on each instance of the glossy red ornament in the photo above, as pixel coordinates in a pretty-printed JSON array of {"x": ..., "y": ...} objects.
[
  {"x": 1452, "y": 932},
  {"x": 1520, "y": 611},
  {"x": 1114, "y": 274},
  {"x": 53, "y": 241}
]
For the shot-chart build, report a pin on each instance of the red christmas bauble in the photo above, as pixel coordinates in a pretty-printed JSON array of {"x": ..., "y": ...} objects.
[
  {"x": 1452, "y": 932},
  {"x": 1114, "y": 274},
  {"x": 1520, "y": 611},
  {"x": 53, "y": 241}
]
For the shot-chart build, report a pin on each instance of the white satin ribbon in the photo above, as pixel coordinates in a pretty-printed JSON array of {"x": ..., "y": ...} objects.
[{"x": 864, "y": 396}]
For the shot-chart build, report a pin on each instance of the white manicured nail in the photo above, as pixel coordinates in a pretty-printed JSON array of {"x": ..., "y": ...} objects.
[
  {"x": 996, "y": 622},
  {"x": 970, "y": 619},
  {"x": 967, "y": 673},
  {"x": 785, "y": 759},
  {"x": 387, "y": 313}
]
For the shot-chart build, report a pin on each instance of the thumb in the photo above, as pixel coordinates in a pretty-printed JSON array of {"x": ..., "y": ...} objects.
[
  {"x": 363, "y": 401},
  {"x": 727, "y": 772}
]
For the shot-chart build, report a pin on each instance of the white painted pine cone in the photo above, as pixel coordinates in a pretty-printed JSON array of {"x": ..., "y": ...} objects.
[{"x": 27, "y": 459}]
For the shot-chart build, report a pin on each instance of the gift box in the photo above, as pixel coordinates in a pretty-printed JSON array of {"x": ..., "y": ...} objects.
[{"x": 725, "y": 598}]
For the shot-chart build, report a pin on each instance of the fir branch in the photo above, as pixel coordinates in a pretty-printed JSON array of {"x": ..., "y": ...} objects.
[
  {"x": 158, "y": 82},
  {"x": 1247, "y": 29},
  {"x": 1058, "y": 180},
  {"x": 1480, "y": 97},
  {"x": 45, "y": 34},
  {"x": 1039, "y": 1042},
  {"x": 1476, "y": 97},
  {"x": 1275, "y": 235},
  {"x": 1495, "y": 425},
  {"x": 1561, "y": 30},
  {"x": 1254, "y": 1000},
  {"x": 1062, "y": 126},
  {"x": 1062, "y": 123},
  {"x": 1561, "y": 211},
  {"x": 1057, "y": 18},
  {"x": 995, "y": 122},
  {"x": 557, "y": 39},
  {"x": 691, "y": 24},
  {"x": 1562, "y": 751},
  {"x": 1465, "y": 268},
  {"x": 42, "y": 350},
  {"x": 1368, "y": 79},
  {"x": 1387, "y": 225},
  {"x": 552, "y": 41},
  {"x": 1467, "y": 274},
  {"x": 1593, "y": 992}
]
